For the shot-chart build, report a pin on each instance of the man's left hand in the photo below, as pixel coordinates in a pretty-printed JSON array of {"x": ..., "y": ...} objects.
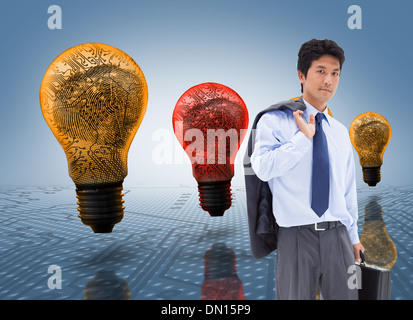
[{"x": 357, "y": 248}]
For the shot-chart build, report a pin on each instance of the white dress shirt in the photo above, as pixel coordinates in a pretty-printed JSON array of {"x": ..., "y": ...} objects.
[{"x": 283, "y": 156}]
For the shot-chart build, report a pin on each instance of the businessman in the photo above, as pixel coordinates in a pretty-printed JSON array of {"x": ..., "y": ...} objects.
[{"x": 306, "y": 157}]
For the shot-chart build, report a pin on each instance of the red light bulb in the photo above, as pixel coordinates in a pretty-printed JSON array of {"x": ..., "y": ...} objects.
[{"x": 210, "y": 121}]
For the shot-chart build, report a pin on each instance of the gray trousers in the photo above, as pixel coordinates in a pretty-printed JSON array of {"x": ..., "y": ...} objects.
[{"x": 308, "y": 259}]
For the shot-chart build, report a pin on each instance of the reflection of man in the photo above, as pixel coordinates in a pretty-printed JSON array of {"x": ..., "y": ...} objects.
[{"x": 314, "y": 199}]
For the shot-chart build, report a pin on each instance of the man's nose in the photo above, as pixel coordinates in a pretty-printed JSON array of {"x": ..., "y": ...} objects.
[{"x": 327, "y": 79}]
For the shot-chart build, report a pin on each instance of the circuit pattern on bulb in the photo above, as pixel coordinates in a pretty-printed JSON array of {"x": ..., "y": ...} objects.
[
  {"x": 219, "y": 114},
  {"x": 93, "y": 98}
]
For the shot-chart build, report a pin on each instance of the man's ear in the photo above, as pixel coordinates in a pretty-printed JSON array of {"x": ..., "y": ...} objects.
[{"x": 301, "y": 77}]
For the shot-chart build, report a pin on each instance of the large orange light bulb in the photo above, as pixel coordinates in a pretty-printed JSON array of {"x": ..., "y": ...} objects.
[
  {"x": 210, "y": 121},
  {"x": 370, "y": 134},
  {"x": 94, "y": 97}
]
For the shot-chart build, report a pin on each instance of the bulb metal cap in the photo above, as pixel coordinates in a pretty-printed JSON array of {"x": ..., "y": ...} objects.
[
  {"x": 215, "y": 197},
  {"x": 100, "y": 207},
  {"x": 371, "y": 175}
]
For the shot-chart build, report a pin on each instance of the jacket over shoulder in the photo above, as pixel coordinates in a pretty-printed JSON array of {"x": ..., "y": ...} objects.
[{"x": 263, "y": 228}]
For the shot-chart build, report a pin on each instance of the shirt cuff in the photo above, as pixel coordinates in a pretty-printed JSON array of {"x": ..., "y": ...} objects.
[{"x": 354, "y": 237}]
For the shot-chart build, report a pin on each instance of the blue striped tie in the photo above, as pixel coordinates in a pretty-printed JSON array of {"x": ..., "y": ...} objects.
[{"x": 321, "y": 169}]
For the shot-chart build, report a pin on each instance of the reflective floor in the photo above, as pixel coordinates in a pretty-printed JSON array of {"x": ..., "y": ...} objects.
[{"x": 167, "y": 247}]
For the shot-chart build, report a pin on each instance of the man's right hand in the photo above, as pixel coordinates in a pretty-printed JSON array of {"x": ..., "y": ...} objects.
[{"x": 308, "y": 129}]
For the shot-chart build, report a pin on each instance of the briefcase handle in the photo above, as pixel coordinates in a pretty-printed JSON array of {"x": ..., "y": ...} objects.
[{"x": 362, "y": 257}]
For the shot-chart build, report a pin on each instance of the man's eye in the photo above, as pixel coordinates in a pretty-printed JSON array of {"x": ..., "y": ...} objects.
[{"x": 321, "y": 71}]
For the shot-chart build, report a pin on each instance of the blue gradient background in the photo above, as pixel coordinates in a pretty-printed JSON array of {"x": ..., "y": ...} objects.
[{"x": 250, "y": 46}]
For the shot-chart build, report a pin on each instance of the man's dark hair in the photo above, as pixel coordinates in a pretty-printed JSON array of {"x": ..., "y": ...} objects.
[{"x": 315, "y": 49}]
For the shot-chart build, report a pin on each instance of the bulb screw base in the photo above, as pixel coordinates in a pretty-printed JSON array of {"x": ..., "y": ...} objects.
[
  {"x": 371, "y": 175},
  {"x": 100, "y": 207},
  {"x": 215, "y": 197}
]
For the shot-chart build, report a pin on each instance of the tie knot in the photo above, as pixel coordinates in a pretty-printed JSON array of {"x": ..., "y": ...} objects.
[{"x": 319, "y": 117}]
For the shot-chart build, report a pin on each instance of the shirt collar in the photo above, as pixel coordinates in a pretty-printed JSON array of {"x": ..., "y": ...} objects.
[{"x": 314, "y": 111}]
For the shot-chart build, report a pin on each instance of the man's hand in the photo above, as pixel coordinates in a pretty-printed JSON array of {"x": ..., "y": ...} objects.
[
  {"x": 357, "y": 248},
  {"x": 307, "y": 128}
]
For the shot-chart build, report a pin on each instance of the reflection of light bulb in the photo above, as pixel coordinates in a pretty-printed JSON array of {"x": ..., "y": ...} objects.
[
  {"x": 210, "y": 121},
  {"x": 370, "y": 134},
  {"x": 93, "y": 97},
  {"x": 107, "y": 286},
  {"x": 379, "y": 247},
  {"x": 221, "y": 280}
]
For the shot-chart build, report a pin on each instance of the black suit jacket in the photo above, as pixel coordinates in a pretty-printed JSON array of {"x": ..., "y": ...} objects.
[{"x": 262, "y": 225}]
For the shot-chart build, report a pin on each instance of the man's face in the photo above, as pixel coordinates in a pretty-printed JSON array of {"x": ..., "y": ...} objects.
[{"x": 321, "y": 82}]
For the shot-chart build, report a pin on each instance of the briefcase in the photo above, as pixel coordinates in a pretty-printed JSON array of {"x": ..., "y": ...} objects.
[{"x": 375, "y": 281}]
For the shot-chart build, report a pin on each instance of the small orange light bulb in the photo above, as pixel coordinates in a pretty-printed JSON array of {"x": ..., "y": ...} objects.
[{"x": 370, "y": 134}]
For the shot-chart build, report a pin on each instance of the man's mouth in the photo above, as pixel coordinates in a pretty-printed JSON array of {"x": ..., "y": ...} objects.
[{"x": 326, "y": 89}]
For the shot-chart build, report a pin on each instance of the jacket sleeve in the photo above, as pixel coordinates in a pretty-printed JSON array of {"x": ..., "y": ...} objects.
[{"x": 273, "y": 154}]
